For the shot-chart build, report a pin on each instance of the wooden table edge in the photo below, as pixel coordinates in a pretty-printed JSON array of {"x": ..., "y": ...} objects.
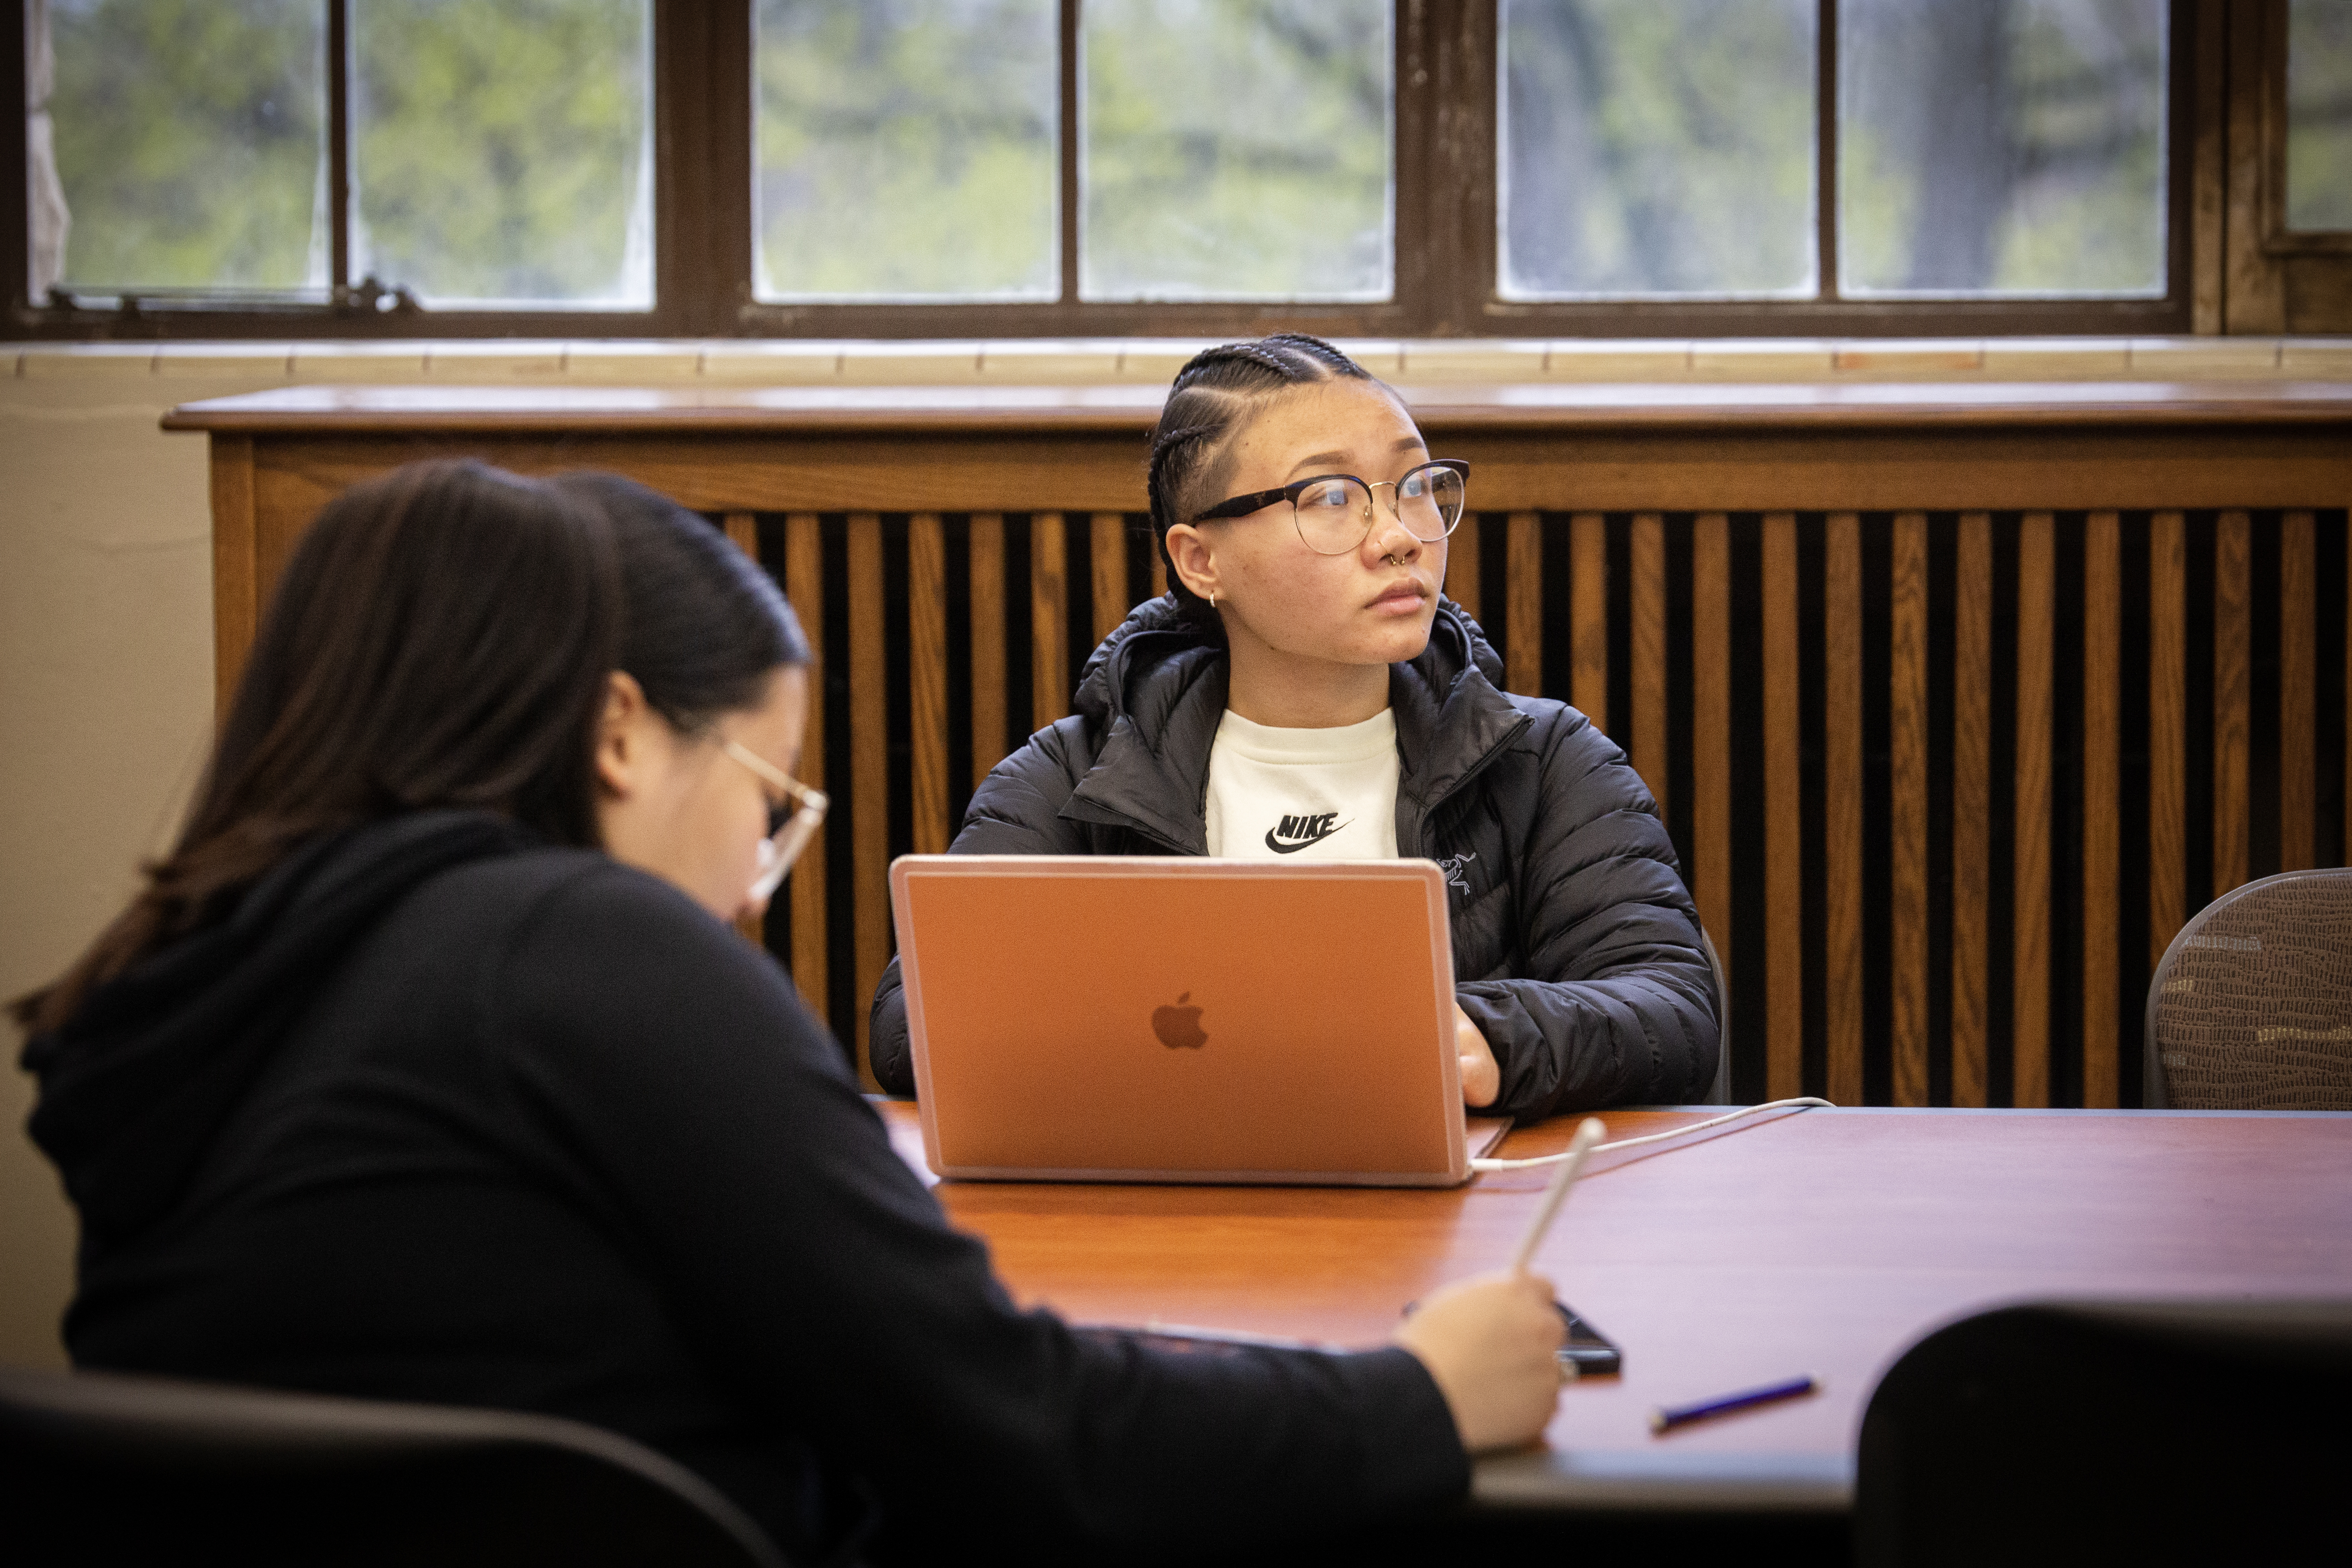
[{"x": 1646, "y": 1480}]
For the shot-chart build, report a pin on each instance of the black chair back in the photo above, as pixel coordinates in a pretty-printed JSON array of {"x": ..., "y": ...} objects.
[
  {"x": 2140, "y": 1433},
  {"x": 99, "y": 1468}
]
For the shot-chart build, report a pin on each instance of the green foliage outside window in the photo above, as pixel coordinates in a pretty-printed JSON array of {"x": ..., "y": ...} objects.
[
  {"x": 2319, "y": 115},
  {"x": 189, "y": 141},
  {"x": 906, "y": 148},
  {"x": 1658, "y": 147},
  {"x": 501, "y": 151},
  {"x": 2003, "y": 147},
  {"x": 1236, "y": 149},
  {"x": 1229, "y": 149}
]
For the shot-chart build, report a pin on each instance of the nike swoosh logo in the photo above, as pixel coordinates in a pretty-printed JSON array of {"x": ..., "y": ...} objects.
[{"x": 1281, "y": 847}]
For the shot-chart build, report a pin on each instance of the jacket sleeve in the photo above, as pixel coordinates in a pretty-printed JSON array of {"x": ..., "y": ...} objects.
[
  {"x": 1616, "y": 1004},
  {"x": 711, "y": 1125},
  {"x": 1015, "y": 811}
]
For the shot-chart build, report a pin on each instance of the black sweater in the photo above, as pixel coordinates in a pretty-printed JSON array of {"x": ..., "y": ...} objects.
[
  {"x": 1576, "y": 950},
  {"x": 548, "y": 1137}
]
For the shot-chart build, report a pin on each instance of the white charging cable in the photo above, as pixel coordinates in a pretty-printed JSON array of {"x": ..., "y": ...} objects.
[{"x": 1798, "y": 1104}]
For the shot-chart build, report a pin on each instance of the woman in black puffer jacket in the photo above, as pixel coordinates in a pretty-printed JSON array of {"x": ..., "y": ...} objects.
[{"x": 1580, "y": 977}]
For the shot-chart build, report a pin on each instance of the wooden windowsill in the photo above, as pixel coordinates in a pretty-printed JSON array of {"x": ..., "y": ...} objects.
[
  {"x": 1521, "y": 405},
  {"x": 1152, "y": 363}
]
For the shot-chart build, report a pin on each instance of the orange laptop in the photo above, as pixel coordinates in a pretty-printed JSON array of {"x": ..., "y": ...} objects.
[{"x": 1090, "y": 1019}]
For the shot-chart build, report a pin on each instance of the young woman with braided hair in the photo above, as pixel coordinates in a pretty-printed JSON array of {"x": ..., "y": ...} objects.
[{"x": 1304, "y": 690}]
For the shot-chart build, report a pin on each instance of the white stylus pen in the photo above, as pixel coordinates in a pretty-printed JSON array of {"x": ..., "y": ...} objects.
[{"x": 1589, "y": 1132}]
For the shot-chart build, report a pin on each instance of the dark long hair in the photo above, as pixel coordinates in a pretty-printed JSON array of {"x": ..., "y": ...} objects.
[
  {"x": 443, "y": 636},
  {"x": 706, "y": 626},
  {"x": 1217, "y": 389}
]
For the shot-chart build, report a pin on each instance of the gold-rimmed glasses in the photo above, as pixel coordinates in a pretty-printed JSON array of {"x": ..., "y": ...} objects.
[{"x": 792, "y": 822}]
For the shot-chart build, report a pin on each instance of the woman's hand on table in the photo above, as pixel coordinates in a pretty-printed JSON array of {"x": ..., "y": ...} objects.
[{"x": 1491, "y": 1346}]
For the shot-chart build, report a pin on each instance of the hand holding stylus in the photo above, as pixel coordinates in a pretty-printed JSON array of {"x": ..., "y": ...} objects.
[{"x": 1492, "y": 1344}]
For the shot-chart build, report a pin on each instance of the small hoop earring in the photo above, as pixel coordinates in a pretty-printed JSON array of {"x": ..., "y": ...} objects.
[{"x": 1212, "y": 598}]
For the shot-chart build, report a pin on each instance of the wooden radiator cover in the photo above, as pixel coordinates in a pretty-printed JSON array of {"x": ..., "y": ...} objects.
[{"x": 1958, "y": 699}]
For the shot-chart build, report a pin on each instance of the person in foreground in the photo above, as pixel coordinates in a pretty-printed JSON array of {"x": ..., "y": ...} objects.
[
  {"x": 427, "y": 1067},
  {"x": 1304, "y": 690}
]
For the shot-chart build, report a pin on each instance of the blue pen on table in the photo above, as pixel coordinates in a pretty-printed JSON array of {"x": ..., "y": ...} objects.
[{"x": 1666, "y": 1418}]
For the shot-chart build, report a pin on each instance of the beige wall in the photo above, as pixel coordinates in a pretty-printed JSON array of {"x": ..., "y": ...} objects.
[
  {"x": 105, "y": 580},
  {"x": 105, "y": 704}
]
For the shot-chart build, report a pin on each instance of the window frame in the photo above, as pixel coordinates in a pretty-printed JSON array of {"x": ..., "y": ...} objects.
[{"x": 1446, "y": 170}]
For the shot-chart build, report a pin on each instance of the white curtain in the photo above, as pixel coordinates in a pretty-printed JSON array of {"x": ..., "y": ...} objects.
[{"x": 47, "y": 194}]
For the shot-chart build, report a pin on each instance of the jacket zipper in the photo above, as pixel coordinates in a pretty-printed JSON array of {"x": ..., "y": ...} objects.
[{"x": 1429, "y": 808}]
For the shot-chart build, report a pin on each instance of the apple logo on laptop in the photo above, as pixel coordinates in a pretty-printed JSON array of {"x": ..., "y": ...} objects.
[{"x": 1179, "y": 1027}]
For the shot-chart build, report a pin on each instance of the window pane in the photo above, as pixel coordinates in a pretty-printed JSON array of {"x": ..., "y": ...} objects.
[
  {"x": 188, "y": 143},
  {"x": 1237, "y": 150},
  {"x": 2318, "y": 114},
  {"x": 1657, "y": 148},
  {"x": 906, "y": 150},
  {"x": 503, "y": 154},
  {"x": 2003, "y": 147}
]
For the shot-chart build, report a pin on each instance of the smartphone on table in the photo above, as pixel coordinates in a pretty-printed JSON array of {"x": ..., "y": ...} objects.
[{"x": 1587, "y": 1349}]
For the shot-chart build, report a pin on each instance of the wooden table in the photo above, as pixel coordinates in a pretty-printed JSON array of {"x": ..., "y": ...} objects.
[{"x": 1820, "y": 1241}]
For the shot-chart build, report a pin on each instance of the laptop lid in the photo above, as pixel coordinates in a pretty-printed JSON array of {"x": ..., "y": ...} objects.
[{"x": 1113, "y": 1018}]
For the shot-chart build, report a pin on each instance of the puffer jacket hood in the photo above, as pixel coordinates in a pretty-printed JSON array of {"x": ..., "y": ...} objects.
[{"x": 1576, "y": 950}]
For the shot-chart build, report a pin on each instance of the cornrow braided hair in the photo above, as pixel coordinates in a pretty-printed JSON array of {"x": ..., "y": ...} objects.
[{"x": 1211, "y": 397}]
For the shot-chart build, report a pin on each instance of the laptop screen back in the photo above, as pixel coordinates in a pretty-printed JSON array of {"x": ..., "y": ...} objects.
[{"x": 1181, "y": 1019}]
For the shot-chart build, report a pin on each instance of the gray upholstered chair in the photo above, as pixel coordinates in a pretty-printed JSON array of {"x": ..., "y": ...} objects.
[
  {"x": 2251, "y": 1007},
  {"x": 1719, "y": 1092},
  {"x": 96, "y": 1467}
]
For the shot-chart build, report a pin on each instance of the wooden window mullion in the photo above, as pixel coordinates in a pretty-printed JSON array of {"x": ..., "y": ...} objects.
[
  {"x": 702, "y": 165},
  {"x": 1066, "y": 145},
  {"x": 1825, "y": 154},
  {"x": 339, "y": 148}
]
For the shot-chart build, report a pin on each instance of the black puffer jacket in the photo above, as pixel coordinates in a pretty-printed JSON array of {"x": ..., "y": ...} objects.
[{"x": 1576, "y": 950}]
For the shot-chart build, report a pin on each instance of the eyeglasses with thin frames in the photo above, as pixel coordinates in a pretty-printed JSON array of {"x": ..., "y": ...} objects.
[{"x": 791, "y": 823}]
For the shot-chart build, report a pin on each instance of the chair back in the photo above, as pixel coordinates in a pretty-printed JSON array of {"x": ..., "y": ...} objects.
[
  {"x": 2116, "y": 1432},
  {"x": 2251, "y": 1007},
  {"x": 1719, "y": 1092},
  {"x": 101, "y": 1467}
]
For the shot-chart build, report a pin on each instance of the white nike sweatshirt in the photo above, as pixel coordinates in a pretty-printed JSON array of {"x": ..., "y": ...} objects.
[{"x": 1321, "y": 795}]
